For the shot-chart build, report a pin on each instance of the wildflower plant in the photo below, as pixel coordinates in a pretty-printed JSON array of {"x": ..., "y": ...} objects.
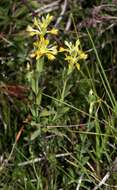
[
  {"x": 73, "y": 55},
  {"x": 41, "y": 47}
]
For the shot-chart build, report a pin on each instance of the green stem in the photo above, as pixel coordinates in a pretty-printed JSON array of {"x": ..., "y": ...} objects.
[
  {"x": 103, "y": 76},
  {"x": 63, "y": 91}
]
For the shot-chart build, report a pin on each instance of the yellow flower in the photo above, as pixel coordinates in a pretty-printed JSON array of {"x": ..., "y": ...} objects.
[
  {"x": 78, "y": 66},
  {"x": 32, "y": 31},
  {"x": 82, "y": 55},
  {"x": 61, "y": 49},
  {"x": 43, "y": 48},
  {"x": 53, "y": 31},
  {"x": 40, "y": 27},
  {"x": 36, "y": 24},
  {"x": 73, "y": 54}
]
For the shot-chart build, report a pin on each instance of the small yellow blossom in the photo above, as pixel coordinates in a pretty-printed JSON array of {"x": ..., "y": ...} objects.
[
  {"x": 73, "y": 54},
  {"x": 40, "y": 27},
  {"x": 54, "y": 31},
  {"x": 78, "y": 66},
  {"x": 43, "y": 48},
  {"x": 32, "y": 32},
  {"x": 61, "y": 49},
  {"x": 36, "y": 24},
  {"x": 82, "y": 55}
]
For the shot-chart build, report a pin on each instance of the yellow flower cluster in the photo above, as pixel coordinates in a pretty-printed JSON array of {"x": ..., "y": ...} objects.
[
  {"x": 73, "y": 54},
  {"x": 42, "y": 48},
  {"x": 42, "y": 45}
]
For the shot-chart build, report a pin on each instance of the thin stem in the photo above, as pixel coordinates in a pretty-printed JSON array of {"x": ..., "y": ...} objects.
[{"x": 103, "y": 76}]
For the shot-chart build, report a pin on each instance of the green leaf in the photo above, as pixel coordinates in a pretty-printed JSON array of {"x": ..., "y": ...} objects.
[
  {"x": 20, "y": 11},
  {"x": 38, "y": 98},
  {"x": 45, "y": 113},
  {"x": 35, "y": 134}
]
